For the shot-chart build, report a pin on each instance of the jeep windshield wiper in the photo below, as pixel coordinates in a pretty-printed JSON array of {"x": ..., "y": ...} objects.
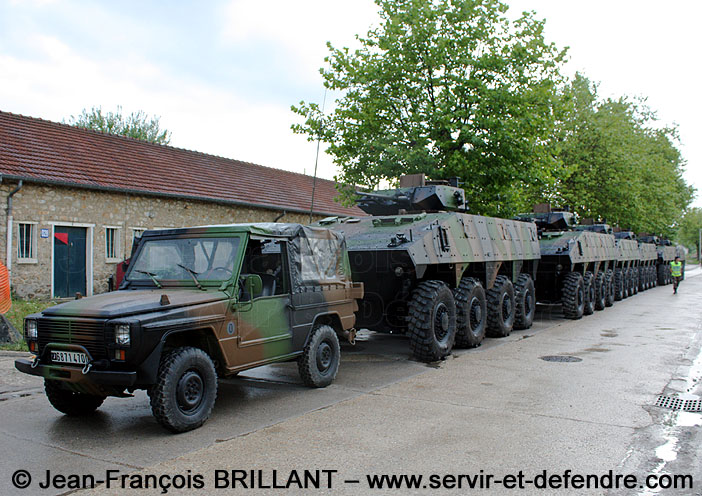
[
  {"x": 151, "y": 275},
  {"x": 192, "y": 274}
]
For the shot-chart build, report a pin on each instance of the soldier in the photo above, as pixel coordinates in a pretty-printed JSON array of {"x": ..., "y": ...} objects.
[{"x": 676, "y": 272}]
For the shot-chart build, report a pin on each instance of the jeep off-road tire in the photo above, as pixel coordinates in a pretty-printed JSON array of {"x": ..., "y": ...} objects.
[
  {"x": 618, "y": 284},
  {"x": 320, "y": 359},
  {"x": 431, "y": 321},
  {"x": 609, "y": 284},
  {"x": 501, "y": 308},
  {"x": 525, "y": 299},
  {"x": 471, "y": 313},
  {"x": 185, "y": 389},
  {"x": 573, "y": 296},
  {"x": 589, "y": 285},
  {"x": 71, "y": 403},
  {"x": 600, "y": 291}
]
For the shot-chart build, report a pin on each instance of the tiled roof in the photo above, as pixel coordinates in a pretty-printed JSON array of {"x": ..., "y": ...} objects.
[{"x": 49, "y": 152}]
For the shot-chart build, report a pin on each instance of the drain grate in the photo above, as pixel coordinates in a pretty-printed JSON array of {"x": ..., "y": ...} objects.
[
  {"x": 561, "y": 358},
  {"x": 675, "y": 403}
]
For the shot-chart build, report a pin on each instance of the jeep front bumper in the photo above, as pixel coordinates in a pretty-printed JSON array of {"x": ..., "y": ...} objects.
[{"x": 76, "y": 375}]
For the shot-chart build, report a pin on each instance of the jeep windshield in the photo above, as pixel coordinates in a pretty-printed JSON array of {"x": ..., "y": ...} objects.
[{"x": 184, "y": 260}]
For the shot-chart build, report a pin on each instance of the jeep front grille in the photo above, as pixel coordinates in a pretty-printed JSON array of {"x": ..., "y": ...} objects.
[{"x": 92, "y": 334}]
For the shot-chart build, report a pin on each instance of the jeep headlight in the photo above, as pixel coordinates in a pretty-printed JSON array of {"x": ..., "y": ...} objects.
[
  {"x": 123, "y": 335},
  {"x": 31, "y": 327}
]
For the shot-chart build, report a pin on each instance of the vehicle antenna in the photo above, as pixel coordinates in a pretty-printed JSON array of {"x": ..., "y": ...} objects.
[{"x": 316, "y": 159}]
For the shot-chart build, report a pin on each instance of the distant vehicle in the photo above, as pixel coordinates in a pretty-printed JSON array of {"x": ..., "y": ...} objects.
[{"x": 196, "y": 304}]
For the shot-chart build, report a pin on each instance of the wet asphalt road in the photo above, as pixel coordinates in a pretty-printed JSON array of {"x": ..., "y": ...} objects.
[{"x": 498, "y": 408}]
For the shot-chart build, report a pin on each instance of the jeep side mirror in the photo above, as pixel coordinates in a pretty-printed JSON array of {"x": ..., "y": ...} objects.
[{"x": 253, "y": 285}]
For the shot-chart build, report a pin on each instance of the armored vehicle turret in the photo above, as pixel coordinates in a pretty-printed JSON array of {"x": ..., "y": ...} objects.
[
  {"x": 436, "y": 273},
  {"x": 577, "y": 262}
]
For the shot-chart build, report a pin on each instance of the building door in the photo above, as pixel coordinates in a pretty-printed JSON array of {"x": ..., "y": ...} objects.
[{"x": 69, "y": 261}]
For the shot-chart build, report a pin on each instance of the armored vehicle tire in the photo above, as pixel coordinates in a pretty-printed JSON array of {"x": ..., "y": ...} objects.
[
  {"x": 573, "y": 296},
  {"x": 431, "y": 322},
  {"x": 627, "y": 283},
  {"x": 589, "y": 284},
  {"x": 643, "y": 281},
  {"x": 654, "y": 277},
  {"x": 71, "y": 403},
  {"x": 185, "y": 389},
  {"x": 320, "y": 359},
  {"x": 525, "y": 298},
  {"x": 635, "y": 280},
  {"x": 609, "y": 285},
  {"x": 618, "y": 284},
  {"x": 661, "y": 275},
  {"x": 471, "y": 313},
  {"x": 600, "y": 291},
  {"x": 501, "y": 308}
]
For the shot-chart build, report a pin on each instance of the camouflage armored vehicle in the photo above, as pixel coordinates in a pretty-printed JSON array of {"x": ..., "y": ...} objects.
[
  {"x": 634, "y": 269},
  {"x": 666, "y": 253},
  {"x": 197, "y": 304},
  {"x": 436, "y": 273},
  {"x": 577, "y": 263}
]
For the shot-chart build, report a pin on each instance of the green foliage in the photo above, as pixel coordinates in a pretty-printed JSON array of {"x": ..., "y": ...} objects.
[
  {"x": 136, "y": 125},
  {"x": 623, "y": 168},
  {"x": 446, "y": 88},
  {"x": 689, "y": 229}
]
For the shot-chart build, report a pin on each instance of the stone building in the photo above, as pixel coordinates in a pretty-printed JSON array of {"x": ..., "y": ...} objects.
[{"x": 73, "y": 200}]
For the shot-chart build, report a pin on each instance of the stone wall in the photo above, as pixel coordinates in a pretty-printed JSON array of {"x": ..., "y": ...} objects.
[{"x": 52, "y": 205}]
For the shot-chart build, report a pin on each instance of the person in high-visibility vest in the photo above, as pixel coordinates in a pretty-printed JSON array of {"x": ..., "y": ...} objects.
[{"x": 676, "y": 272}]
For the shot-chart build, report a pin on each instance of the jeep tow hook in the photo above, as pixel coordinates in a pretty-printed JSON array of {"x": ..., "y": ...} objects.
[
  {"x": 87, "y": 368},
  {"x": 35, "y": 362},
  {"x": 350, "y": 336}
]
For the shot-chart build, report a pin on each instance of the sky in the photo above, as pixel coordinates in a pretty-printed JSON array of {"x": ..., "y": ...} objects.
[{"x": 222, "y": 75}]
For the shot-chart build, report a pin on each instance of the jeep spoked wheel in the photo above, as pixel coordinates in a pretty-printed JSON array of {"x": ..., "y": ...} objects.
[
  {"x": 431, "y": 321},
  {"x": 185, "y": 389},
  {"x": 71, "y": 403},
  {"x": 320, "y": 359},
  {"x": 525, "y": 297},
  {"x": 501, "y": 308},
  {"x": 573, "y": 296},
  {"x": 471, "y": 313}
]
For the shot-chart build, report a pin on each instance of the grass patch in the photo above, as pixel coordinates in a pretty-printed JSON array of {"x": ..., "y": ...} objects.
[{"x": 20, "y": 309}]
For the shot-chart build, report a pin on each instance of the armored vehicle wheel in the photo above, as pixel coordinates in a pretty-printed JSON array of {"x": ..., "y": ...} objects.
[
  {"x": 661, "y": 275},
  {"x": 635, "y": 280},
  {"x": 185, "y": 389},
  {"x": 573, "y": 296},
  {"x": 627, "y": 283},
  {"x": 471, "y": 313},
  {"x": 654, "y": 276},
  {"x": 600, "y": 291},
  {"x": 70, "y": 402},
  {"x": 431, "y": 322},
  {"x": 525, "y": 297},
  {"x": 618, "y": 284},
  {"x": 501, "y": 308},
  {"x": 609, "y": 288},
  {"x": 589, "y": 283},
  {"x": 320, "y": 359}
]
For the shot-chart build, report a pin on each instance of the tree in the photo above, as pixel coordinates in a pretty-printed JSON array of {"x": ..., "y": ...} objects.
[
  {"x": 689, "y": 230},
  {"x": 446, "y": 88},
  {"x": 622, "y": 166},
  {"x": 137, "y": 125}
]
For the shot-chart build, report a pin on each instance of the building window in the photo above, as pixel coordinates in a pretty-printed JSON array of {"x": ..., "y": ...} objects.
[
  {"x": 136, "y": 233},
  {"x": 112, "y": 244},
  {"x": 27, "y": 242}
]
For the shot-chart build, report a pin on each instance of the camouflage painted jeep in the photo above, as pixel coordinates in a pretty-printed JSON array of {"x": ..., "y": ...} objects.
[{"x": 195, "y": 304}]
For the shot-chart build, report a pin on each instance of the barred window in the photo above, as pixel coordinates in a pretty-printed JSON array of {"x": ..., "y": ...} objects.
[
  {"x": 112, "y": 243},
  {"x": 27, "y": 241}
]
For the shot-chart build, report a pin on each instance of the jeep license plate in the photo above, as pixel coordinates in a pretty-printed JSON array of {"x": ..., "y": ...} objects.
[{"x": 69, "y": 357}]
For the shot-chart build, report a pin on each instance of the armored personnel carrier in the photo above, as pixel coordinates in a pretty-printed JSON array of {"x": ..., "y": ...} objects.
[
  {"x": 635, "y": 270},
  {"x": 577, "y": 263},
  {"x": 665, "y": 253},
  {"x": 435, "y": 272}
]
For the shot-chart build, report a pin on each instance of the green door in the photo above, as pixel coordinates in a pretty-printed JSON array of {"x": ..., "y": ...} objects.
[{"x": 69, "y": 261}]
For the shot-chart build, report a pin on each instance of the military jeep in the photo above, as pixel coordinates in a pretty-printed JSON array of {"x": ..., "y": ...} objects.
[{"x": 197, "y": 304}]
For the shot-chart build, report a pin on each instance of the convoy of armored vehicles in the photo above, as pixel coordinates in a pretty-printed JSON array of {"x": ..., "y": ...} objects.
[{"x": 200, "y": 303}]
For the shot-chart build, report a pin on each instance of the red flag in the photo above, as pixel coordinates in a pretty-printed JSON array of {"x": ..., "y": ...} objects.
[{"x": 62, "y": 237}]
